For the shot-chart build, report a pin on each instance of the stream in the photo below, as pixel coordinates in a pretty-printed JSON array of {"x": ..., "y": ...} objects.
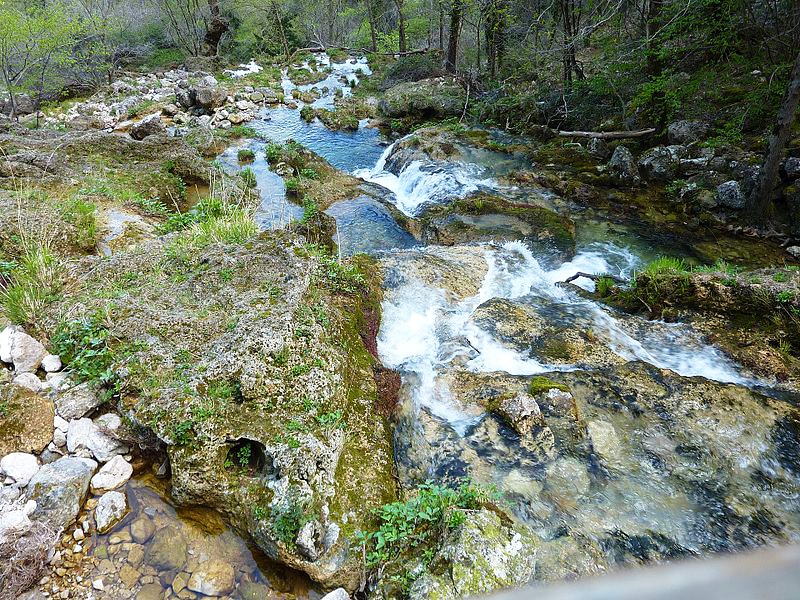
[{"x": 686, "y": 452}]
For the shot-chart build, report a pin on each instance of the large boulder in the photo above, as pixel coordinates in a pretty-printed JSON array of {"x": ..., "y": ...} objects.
[
  {"x": 730, "y": 195},
  {"x": 439, "y": 97},
  {"x": 20, "y": 466},
  {"x": 622, "y": 166},
  {"x": 485, "y": 554},
  {"x": 150, "y": 125},
  {"x": 27, "y": 425},
  {"x": 687, "y": 132},
  {"x": 209, "y": 97},
  {"x": 59, "y": 489},
  {"x": 661, "y": 163}
]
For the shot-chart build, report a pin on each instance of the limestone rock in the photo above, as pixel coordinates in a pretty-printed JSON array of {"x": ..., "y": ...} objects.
[
  {"x": 686, "y": 132},
  {"x": 167, "y": 549},
  {"x": 439, "y": 97},
  {"x": 730, "y": 194},
  {"x": 792, "y": 168},
  {"x": 29, "y": 381},
  {"x": 605, "y": 441},
  {"x": 59, "y": 489},
  {"x": 661, "y": 163},
  {"x": 212, "y": 578},
  {"x": 20, "y": 466},
  {"x": 6, "y": 337},
  {"x": 113, "y": 474},
  {"x": 142, "y": 530},
  {"x": 337, "y": 594},
  {"x": 150, "y": 125},
  {"x": 77, "y": 402},
  {"x": 28, "y": 422},
  {"x": 520, "y": 411},
  {"x": 26, "y": 352},
  {"x": 111, "y": 507},
  {"x": 622, "y": 166},
  {"x": 84, "y": 434},
  {"x": 481, "y": 556},
  {"x": 51, "y": 363}
]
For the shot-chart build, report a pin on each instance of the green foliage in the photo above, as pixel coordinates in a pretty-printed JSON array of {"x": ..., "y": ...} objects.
[
  {"x": 310, "y": 210},
  {"x": 35, "y": 280},
  {"x": 249, "y": 177},
  {"x": 81, "y": 214},
  {"x": 604, "y": 286},
  {"x": 785, "y": 297},
  {"x": 340, "y": 277},
  {"x": 292, "y": 185},
  {"x": 140, "y": 108},
  {"x": 242, "y": 131},
  {"x": 290, "y": 519},
  {"x": 246, "y": 155},
  {"x": 307, "y": 113},
  {"x": 83, "y": 345},
  {"x": 420, "y": 522},
  {"x": 164, "y": 58}
]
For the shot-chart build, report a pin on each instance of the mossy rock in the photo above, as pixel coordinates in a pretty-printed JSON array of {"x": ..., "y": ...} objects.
[
  {"x": 26, "y": 420},
  {"x": 439, "y": 97},
  {"x": 255, "y": 345}
]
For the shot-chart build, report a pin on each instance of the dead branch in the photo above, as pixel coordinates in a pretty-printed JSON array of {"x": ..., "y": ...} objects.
[
  {"x": 594, "y": 278},
  {"x": 608, "y": 135}
]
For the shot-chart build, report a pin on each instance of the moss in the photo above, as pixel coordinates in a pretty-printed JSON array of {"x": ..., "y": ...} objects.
[{"x": 541, "y": 384}]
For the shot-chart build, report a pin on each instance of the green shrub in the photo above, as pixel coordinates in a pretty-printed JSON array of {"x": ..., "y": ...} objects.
[
  {"x": 36, "y": 279},
  {"x": 414, "y": 525},
  {"x": 249, "y": 177},
  {"x": 83, "y": 347},
  {"x": 292, "y": 185},
  {"x": 246, "y": 155},
  {"x": 307, "y": 113}
]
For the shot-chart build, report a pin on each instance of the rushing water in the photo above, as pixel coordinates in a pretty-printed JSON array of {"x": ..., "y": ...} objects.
[{"x": 657, "y": 488}]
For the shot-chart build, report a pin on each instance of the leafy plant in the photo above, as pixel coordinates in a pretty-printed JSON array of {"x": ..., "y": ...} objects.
[
  {"x": 421, "y": 521},
  {"x": 83, "y": 346},
  {"x": 249, "y": 177},
  {"x": 246, "y": 155}
]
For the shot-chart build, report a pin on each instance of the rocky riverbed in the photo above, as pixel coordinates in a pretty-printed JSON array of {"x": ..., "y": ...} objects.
[{"x": 213, "y": 400}]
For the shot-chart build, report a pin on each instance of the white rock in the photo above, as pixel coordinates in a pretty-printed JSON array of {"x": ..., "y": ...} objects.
[
  {"x": 98, "y": 585},
  {"x": 58, "y": 381},
  {"x": 77, "y": 402},
  {"x": 29, "y": 381},
  {"x": 113, "y": 474},
  {"x": 59, "y": 438},
  {"x": 13, "y": 523},
  {"x": 5, "y": 343},
  {"x": 61, "y": 424},
  {"x": 21, "y": 466},
  {"x": 83, "y": 434},
  {"x": 26, "y": 352},
  {"x": 51, "y": 363},
  {"x": 337, "y": 594},
  {"x": 111, "y": 507}
]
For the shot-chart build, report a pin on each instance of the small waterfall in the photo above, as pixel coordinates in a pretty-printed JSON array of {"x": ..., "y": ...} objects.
[
  {"x": 426, "y": 182},
  {"x": 419, "y": 323}
]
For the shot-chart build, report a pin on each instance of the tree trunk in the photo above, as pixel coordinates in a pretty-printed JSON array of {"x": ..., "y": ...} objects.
[
  {"x": 373, "y": 34},
  {"x": 217, "y": 27},
  {"x": 654, "y": 65},
  {"x": 456, "y": 14},
  {"x": 441, "y": 25},
  {"x": 495, "y": 35},
  {"x": 279, "y": 23},
  {"x": 401, "y": 24},
  {"x": 760, "y": 197}
]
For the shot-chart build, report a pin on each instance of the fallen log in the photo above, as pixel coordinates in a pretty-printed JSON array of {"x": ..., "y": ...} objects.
[
  {"x": 594, "y": 277},
  {"x": 608, "y": 135}
]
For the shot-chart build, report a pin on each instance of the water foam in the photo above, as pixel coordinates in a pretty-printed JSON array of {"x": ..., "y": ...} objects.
[
  {"x": 426, "y": 182},
  {"x": 418, "y": 322}
]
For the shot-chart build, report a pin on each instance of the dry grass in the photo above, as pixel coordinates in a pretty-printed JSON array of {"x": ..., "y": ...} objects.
[{"x": 23, "y": 559}]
